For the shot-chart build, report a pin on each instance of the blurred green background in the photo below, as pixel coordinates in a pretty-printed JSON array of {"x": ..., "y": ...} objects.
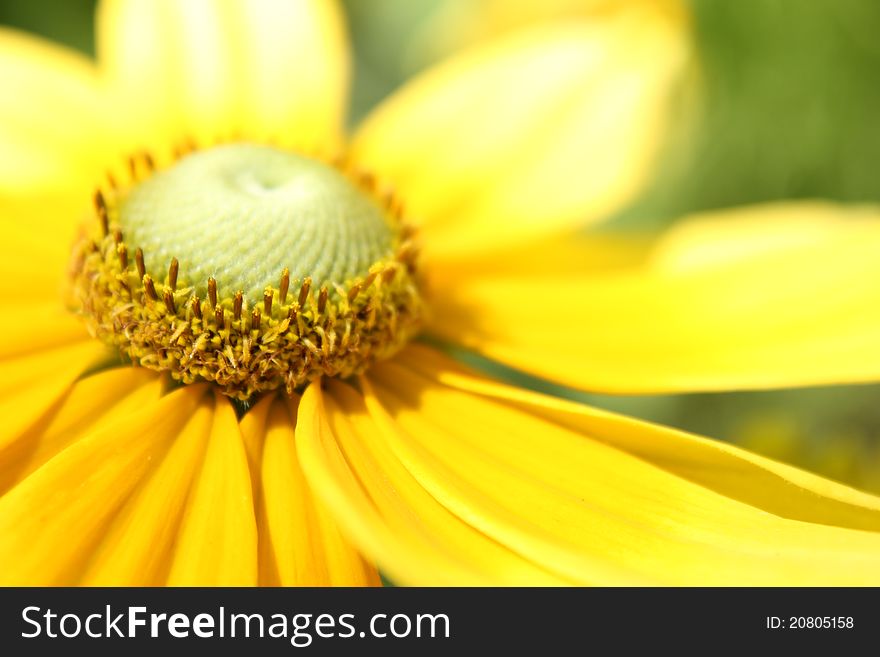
[{"x": 790, "y": 101}]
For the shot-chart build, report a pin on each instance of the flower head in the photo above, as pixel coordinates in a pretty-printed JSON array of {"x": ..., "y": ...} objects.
[{"x": 273, "y": 262}]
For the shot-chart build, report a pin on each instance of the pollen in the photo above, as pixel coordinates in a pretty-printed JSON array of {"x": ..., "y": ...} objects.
[{"x": 248, "y": 266}]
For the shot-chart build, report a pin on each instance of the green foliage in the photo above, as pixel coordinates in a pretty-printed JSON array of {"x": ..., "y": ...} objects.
[
  {"x": 67, "y": 21},
  {"x": 791, "y": 93}
]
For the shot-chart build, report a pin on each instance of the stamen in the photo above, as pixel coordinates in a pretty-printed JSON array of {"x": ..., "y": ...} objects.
[
  {"x": 406, "y": 232},
  {"x": 172, "y": 273},
  {"x": 304, "y": 291},
  {"x": 123, "y": 255},
  {"x": 168, "y": 297},
  {"x": 236, "y": 305},
  {"x": 101, "y": 209},
  {"x": 282, "y": 288},
  {"x": 184, "y": 148},
  {"x": 212, "y": 292},
  {"x": 388, "y": 198},
  {"x": 367, "y": 180},
  {"x": 267, "y": 301},
  {"x": 139, "y": 262},
  {"x": 149, "y": 288}
]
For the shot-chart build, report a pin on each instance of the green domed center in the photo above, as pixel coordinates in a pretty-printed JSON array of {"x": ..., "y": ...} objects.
[{"x": 242, "y": 213}]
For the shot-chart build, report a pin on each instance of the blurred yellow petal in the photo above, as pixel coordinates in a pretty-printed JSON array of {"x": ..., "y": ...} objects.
[
  {"x": 561, "y": 255},
  {"x": 305, "y": 542},
  {"x": 773, "y": 296},
  {"x": 28, "y": 274},
  {"x": 50, "y": 522},
  {"x": 54, "y": 117},
  {"x": 557, "y": 495},
  {"x": 457, "y": 24},
  {"x": 204, "y": 69},
  {"x": 31, "y": 328},
  {"x": 217, "y": 542},
  {"x": 541, "y": 131},
  {"x": 90, "y": 404},
  {"x": 38, "y": 231}
]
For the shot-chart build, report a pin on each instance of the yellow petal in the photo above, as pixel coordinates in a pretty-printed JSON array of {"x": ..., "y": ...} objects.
[
  {"x": 43, "y": 349},
  {"x": 384, "y": 510},
  {"x": 298, "y": 543},
  {"x": 306, "y": 545},
  {"x": 55, "y": 120},
  {"x": 205, "y": 69},
  {"x": 36, "y": 327},
  {"x": 33, "y": 383},
  {"x": 780, "y": 489},
  {"x": 459, "y": 23},
  {"x": 544, "y": 130},
  {"x": 38, "y": 231},
  {"x": 253, "y": 435},
  {"x": 217, "y": 541},
  {"x": 559, "y": 255},
  {"x": 571, "y": 503},
  {"x": 50, "y": 522},
  {"x": 90, "y": 404},
  {"x": 773, "y": 296},
  {"x": 136, "y": 548}
]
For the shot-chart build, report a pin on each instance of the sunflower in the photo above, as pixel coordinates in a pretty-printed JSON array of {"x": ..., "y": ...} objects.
[{"x": 269, "y": 282}]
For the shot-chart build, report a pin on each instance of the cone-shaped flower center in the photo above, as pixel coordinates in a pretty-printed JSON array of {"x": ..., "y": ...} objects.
[
  {"x": 249, "y": 266},
  {"x": 241, "y": 213}
]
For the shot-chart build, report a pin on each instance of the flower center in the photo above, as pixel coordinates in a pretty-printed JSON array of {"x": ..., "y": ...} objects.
[
  {"x": 241, "y": 213},
  {"x": 248, "y": 266}
]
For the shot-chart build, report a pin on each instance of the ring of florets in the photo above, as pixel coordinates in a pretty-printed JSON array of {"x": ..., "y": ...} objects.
[{"x": 295, "y": 333}]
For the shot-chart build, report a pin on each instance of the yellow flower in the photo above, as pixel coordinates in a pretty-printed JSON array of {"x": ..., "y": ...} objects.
[{"x": 109, "y": 475}]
